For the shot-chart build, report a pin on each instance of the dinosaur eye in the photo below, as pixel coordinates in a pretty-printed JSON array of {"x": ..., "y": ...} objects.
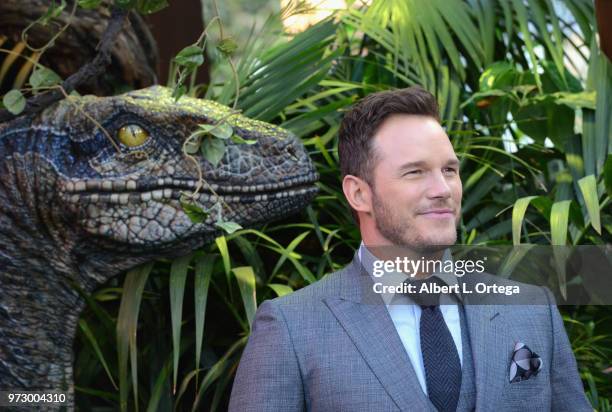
[{"x": 132, "y": 135}]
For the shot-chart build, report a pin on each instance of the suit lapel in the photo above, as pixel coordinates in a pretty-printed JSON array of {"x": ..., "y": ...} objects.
[
  {"x": 367, "y": 322},
  {"x": 372, "y": 331}
]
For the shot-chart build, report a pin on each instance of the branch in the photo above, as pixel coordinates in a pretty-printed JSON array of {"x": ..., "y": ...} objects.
[{"x": 90, "y": 70}]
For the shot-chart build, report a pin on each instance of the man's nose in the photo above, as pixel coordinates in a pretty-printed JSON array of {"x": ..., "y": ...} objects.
[{"x": 438, "y": 186}]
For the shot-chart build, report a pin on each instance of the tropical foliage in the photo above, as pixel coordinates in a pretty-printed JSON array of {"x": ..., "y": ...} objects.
[{"x": 531, "y": 128}]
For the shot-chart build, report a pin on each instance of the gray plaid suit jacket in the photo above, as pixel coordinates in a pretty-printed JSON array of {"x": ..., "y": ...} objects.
[{"x": 332, "y": 347}]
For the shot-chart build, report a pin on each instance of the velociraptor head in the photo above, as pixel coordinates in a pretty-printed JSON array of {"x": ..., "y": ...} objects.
[{"x": 121, "y": 170}]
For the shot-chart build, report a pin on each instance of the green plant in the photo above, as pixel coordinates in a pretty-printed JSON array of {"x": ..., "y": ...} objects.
[{"x": 499, "y": 70}]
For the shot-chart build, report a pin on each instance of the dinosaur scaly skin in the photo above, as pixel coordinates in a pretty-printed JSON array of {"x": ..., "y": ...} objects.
[{"x": 75, "y": 211}]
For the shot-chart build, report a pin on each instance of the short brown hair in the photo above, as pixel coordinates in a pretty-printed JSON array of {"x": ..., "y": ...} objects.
[{"x": 361, "y": 122}]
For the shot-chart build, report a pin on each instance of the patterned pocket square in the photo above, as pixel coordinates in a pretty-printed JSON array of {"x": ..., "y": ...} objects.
[{"x": 524, "y": 363}]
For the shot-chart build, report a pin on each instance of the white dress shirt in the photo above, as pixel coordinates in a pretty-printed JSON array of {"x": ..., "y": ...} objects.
[{"x": 406, "y": 316}]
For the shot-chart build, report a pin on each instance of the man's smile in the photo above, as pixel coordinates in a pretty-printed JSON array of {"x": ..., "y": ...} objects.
[{"x": 444, "y": 213}]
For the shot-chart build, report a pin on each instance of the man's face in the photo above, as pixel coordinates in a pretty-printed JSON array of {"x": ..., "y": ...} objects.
[{"x": 416, "y": 198}]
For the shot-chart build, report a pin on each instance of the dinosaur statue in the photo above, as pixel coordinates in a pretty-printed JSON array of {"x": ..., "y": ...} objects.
[{"x": 91, "y": 187}]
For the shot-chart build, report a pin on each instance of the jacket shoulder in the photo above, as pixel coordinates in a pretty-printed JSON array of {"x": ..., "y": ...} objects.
[{"x": 330, "y": 285}]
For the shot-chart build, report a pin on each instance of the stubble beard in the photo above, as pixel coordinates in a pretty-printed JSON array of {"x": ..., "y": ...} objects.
[{"x": 400, "y": 232}]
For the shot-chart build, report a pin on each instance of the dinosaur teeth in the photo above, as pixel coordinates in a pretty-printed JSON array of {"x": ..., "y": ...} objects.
[
  {"x": 145, "y": 197},
  {"x": 118, "y": 185},
  {"x": 69, "y": 187},
  {"x": 79, "y": 186},
  {"x": 107, "y": 185},
  {"x": 93, "y": 185},
  {"x": 130, "y": 185},
  {"x": 157, "y": 194},
  {"x": 124, "y": 198}
]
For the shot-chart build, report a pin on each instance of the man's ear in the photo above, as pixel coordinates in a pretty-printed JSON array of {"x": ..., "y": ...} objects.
[{"x": 357, "y": 192}]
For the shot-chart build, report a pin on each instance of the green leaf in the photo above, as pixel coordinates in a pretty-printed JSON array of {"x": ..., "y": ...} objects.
[
  {"x": 513, "y": 259},
  {"x": 221, "y": 243},
  {"x": 576, "y": 100},
  {"x": 190, "y": 57},
  {"x": 127, "y": 325},
  {"x": 89, "y": 4},
  {"x": 125, "y": 4},
  {"x": 559, "y": 216},
  {"x": 178, "y": 92},
  {"x": 158, "y": 388},
  {"x": 498, "y": 75},
  {"x": 192, "y": 145},
  {"x": 52, "y": 12},
  {"x": 94, "y": 344},
  {"x": 239, "y": 140},
  {"x": 280, "y": 289},
  {"x": 288, "y": 253},
  {"x": 608, "y": 175},
  {"x": 213, "y": 150},
  {"x": 222, "y": 131},
  {"x": 588, "y": 188},
  {"x": 246, "y": 283},
  {"x": 109, "y": 396},
  {"x": 227, "y": 46},
  {"x": 225, "y": 256},
  {"x": 185, "y": 385},
  {"x": 518, "y": 213},
  {"x": 43, "y": 77},
  {"x": 203, "y": 273},
  {"x": 150, "y": 6},
  {"x": 14, "y": 101},
  {"x": 178, "y": 276},
  {"x": 216, "y": 371},
  {"x": 195, "y": 213},
  {"x": 543, "y": 118},
  {"x": 553, "y": 80},
  {"x": 229, "y": 227}
]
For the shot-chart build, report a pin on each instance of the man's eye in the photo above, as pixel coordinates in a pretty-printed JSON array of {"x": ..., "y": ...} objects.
[
  {"x": 413, "y": 172},
  {"x": 450, "y": 170}
]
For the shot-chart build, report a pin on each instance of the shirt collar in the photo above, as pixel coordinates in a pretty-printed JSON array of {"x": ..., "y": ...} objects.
[{"x": 397, "y": 278}]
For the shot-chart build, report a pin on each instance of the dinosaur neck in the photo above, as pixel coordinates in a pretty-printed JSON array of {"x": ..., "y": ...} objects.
[
  {"x": 36, "y": 346},
  {"x": 43, "y": 256}
]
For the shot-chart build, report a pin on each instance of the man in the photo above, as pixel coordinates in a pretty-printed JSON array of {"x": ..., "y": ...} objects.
[{"x": 337, "y": 346}]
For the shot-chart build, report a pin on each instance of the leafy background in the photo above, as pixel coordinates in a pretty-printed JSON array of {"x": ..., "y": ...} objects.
[{"x": 526, "y": 97}]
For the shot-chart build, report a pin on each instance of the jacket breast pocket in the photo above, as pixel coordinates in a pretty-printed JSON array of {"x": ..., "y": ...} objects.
[{"x": 531, "y": 394}]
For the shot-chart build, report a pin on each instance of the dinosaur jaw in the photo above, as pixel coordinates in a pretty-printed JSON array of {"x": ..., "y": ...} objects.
[{"x": 150, "y": 214}]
